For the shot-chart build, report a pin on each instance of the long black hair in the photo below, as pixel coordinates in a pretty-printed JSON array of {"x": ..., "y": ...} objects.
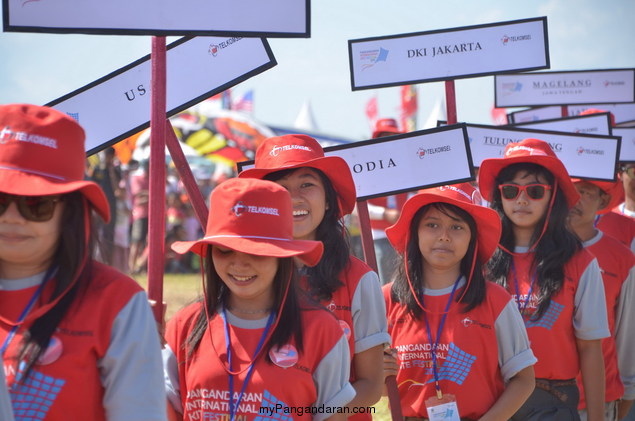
[
  {"x": 323, "y": 278},
  {"x": 401, "y": 292},
  {"x": 72, "y": 250},
  {"x": 217, "y": 295},
  {"x": 552, "y": 251}
]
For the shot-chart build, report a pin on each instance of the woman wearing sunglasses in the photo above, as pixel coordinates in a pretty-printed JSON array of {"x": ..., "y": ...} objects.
[
  {"x": 322, "y": 193},
  {"x": 556, "y": 283},
  {"x": 77, "y": 338},
  {"x": 253, "y": 348}
]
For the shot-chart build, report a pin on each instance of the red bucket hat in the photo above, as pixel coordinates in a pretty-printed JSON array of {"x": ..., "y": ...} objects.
[
  {"x": 297, "y": 151},
  {"x": 42, "y": 153},
  {"x": 615, "y": 189},
  {"x": 533, "y": 151},
  {"x": 462, "y": 195},
  {"x": 386, "y": 125},
  {"x": 253, "y": 216}
]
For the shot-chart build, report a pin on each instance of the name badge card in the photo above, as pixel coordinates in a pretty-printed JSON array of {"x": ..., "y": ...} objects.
[
  {"x": 405, "y": 162},
  {"x": 118, "y": 105},
  {"x": 271, "y": 18},
  {"x": 627, "y": 153},
  {"x": 534, "y": 114},
  {"x": 565, "y": 88},
  {"x": 583, "y": 155},
  {"x": 449, "y": 54},
  {"x": 599, "y": 123}
]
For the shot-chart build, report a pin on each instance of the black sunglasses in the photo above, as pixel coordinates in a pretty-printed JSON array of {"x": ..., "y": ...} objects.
[
  {"x": 534, "y": 191},
  {"x": 32, "y": 208}
]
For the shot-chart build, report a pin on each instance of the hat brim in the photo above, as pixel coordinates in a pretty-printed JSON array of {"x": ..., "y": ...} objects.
[
  {"x": 24, "y": 184},
  {"x": 488, "y": 223},
  {"x": 334, "y": 167},
  {"x": 490, "y": 168},
  {"x": 309, "y": 252},
  {"x": 389, "y": 130}
]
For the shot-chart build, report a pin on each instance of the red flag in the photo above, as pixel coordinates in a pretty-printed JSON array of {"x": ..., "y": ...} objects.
[
  {"x": 499, "y": 116},
  {"x": 408, "y": 107},
  {"x": 371, "y": 111}
]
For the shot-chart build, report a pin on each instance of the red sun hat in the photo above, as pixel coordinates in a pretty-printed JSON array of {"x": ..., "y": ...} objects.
[
  {"x": 255, "y": 217},
  {"x": 532, "y": 151},
  {"x": 386, "y": 125},
  {"x": 42, "y": 153},
  {"x": 615, "y": 189},
  {"x": 462, "y": 195},
  {"x": 297, "y": 151},
  {"x": 590, "y": 111}
]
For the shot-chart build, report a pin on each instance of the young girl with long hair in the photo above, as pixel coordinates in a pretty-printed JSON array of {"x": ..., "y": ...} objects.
[
  {"x": 555, "y": 282},
  {"x": 253, "y": 347},
  {"x": 461, "y": 345},
  {"x": 322, "y": 193},
  {"x": 77, "y": 338}
]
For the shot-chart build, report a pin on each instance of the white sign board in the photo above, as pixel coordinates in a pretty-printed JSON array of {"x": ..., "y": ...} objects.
[
  {"x": 405, "y": 162},
  {"x": 627, "y": 152},
  {"x": 584, "y": 155},
  {"x": 534, "y": 114},
  {"x": 565, "y": 88},
  {"x": 118, "y": 105},
  {"x": 271, "y": 18},
  {"x": 449, "y": 54},
  {"x": 599, "y": 123},
  {"x": 623, "y": 113}
]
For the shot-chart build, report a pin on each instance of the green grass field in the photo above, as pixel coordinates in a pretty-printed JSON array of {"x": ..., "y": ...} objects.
[{"x": 180, "y": 290}]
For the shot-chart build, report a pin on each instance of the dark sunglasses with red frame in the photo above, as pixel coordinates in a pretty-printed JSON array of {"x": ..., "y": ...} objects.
[{"x": 534, "y": 191}]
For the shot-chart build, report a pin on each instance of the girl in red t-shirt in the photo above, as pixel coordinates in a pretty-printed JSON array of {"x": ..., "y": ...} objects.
[
  {"x": 253, "y": 347},
  {"x": 461, "y": 344},
  {"x": 556, "y": 284}
]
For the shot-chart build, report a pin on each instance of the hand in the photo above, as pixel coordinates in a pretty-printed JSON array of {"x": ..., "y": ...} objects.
[{"x": 391, "y": 367}]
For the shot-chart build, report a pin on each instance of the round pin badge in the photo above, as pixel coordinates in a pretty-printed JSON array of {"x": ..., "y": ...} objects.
[
  {"x": 285, "y": 356},
  {"x": 345, "y": 328},
  {"x": 52, "y": 352}
]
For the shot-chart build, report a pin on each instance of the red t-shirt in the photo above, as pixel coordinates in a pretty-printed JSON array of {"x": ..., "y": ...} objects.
[{"x": 618, "y": 226}]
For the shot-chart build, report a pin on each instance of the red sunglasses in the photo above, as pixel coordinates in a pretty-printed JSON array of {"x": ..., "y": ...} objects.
[
  {"x": 32, "y": 208},
  {"x": 534, "y": 191}
]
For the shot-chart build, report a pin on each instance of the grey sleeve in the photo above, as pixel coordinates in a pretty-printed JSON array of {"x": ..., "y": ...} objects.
[
  {"x": 514, "y": 351},
  {"x": 331, "y": 379},
  {"x": 625, "y": 335},
  {"x": 6, "y": 413},
  {"x": 171, "y": 377},
  {"x": 131, "y": 371},
  {"x": 369, "y": 314},
  {"x": 633, "y": 245},
  {"x": 589, "y": 315}
]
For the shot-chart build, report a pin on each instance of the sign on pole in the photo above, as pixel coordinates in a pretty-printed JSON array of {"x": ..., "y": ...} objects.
[
  {"x": 565, "y": 88},
  {"x": 118, "y": 105},
  {"x": 623, "y": 113},
  {"x": 627, "y": 152},
  {"x": 405, "y": 162},
  {"x": 449, "y": 54},
  {"x": 254, "y": 18},
  {"x": 584, "y": 155},
  {"x": 599, "y": 123}
]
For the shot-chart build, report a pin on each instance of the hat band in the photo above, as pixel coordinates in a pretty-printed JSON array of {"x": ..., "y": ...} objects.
[
  {"x": 257, "y": 237},
  {"x": 43, "y": 174}
]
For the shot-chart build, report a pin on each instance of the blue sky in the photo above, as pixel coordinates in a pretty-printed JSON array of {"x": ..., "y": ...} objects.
[{"x": 583, "y": 35}]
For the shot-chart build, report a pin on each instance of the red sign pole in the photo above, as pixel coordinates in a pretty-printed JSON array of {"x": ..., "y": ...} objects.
[
  {"x": 368, "y": 244},
  {"x": 450, "y": 101},
  {"x": 185, "y": 172},
  {"x": 156, "y": 211}
]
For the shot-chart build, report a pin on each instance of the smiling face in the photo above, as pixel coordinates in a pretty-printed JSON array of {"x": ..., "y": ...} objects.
[
  {"x": 249, "y": 277},
  {"x": 308, "y": 197},
  {"x": 526, "y": 213},
  {"x": 27, "y": 247},
  {"x": 444, "y": 239}
]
